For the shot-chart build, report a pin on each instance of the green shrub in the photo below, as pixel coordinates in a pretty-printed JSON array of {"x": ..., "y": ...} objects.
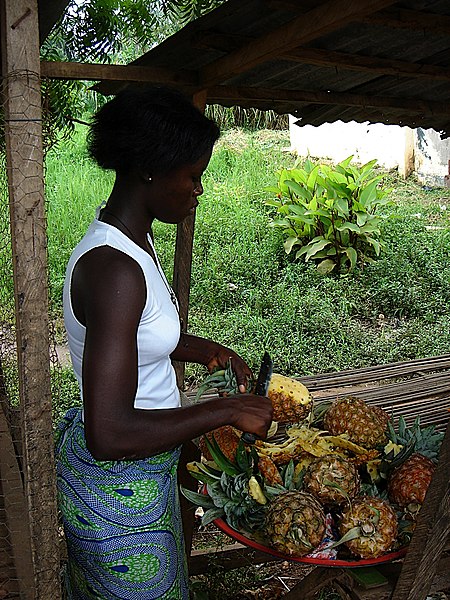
[{"x": 330, "y": 213}]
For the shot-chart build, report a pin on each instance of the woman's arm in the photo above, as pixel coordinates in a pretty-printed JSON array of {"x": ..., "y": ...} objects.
[{"x": 109, "y": 293}]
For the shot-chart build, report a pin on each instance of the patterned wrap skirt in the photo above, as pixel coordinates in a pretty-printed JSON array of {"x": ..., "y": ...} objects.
[{"x": 122, "y": 522}]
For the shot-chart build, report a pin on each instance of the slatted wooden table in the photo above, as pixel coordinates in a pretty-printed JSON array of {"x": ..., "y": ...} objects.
[{"x": 414, "y": 388}]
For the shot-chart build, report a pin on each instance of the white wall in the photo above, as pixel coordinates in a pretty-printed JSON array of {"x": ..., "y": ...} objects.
[{"x": 393, "y": 146}]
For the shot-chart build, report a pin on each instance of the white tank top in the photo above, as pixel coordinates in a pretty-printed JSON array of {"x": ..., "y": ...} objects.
[{"x": 159, "y": 327}]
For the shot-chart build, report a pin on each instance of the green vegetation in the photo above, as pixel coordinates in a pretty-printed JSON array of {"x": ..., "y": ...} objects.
[
  {"x": 330, "y": 214},
  {"x": 250, "y": 295}
]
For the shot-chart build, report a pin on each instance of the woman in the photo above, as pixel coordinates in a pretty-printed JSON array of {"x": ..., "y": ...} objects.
[{"x": 117, "y": 458}]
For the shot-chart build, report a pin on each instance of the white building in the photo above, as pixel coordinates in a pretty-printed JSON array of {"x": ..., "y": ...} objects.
[{"x": 410, "y": 150}]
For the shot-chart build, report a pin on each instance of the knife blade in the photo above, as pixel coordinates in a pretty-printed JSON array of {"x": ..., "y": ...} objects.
[{"x": 262, "y": 384}]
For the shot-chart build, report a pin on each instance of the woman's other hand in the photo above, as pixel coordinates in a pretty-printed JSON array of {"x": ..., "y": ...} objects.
[{"x": 240, "y": 368}]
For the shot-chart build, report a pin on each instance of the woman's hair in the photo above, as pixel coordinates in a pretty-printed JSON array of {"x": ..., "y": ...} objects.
[{"x": 152, "y": 129}]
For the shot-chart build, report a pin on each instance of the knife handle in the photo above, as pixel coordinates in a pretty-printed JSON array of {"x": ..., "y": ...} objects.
[{"x": 248, "y": 438}]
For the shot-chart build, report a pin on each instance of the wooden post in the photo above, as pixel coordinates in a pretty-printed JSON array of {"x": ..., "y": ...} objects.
[
  {"x": 183, "y": 259},
  {"x": 407, "y": 166},
  {"x": 23, "y": 133}
]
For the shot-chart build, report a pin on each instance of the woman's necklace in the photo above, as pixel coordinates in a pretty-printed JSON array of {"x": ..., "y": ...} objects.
[{"x": 152, "y": 253}]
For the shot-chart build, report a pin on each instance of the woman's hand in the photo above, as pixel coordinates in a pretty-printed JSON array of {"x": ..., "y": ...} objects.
[
  {"x": 252, "y": 414},
  {"x": 240, "y": 368},
  {"x": 213, "y": 355}
]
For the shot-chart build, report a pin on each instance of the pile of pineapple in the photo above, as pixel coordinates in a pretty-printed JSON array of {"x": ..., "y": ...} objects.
[{"x": 332, "y": 480}]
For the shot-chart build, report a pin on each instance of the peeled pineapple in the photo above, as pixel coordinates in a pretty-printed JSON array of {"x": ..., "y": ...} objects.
[{"x": 291, "y": 400}]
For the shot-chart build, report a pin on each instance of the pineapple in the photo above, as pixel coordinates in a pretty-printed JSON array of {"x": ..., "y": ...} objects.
[
  {"x": 234, "y": 489},
  {"x": 332, "y": 480},
  {"x": 227, "y": 439},
  {"x": 269, "y": 470},
  {"x": 409, "y": 482},
  {"x": 291, "y": 400},
  {"x": 363, "y": 425},
  {"x": 294, "y": 523},
  {"x": 368, "y": 526}
]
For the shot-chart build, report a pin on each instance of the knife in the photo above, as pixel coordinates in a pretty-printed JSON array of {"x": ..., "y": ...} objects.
[{"x": 262, "y": 384}]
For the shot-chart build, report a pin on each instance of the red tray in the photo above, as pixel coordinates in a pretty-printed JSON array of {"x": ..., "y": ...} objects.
[{"x": 325, "y": 562}]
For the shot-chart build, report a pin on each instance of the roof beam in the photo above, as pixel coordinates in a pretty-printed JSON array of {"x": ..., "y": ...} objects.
[
  {"x": 355, "y": 62},
  {"x": 410, "y": 19},
  {"x": 407, "y": 105},
  {"x": 305, "y": 28},
  {"x": 328, "y": 58},
  {"x": 99, "y": 72}
]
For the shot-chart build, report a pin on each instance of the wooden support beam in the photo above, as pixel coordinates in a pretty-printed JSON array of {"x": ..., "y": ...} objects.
[
  {"x": 369, "y": 64},
  {"x": 397, "y": 18},
  {"x": 99, "y": 72},
  {"x": 430, "y": 534},
  {"x": 183, "y": 260},
  {"x": 305, "y": 28},
  {"x": 407, "y": 105},
  {"x": 233, "y": 556},
  {"x": 23, "y": 135},
  {"x": 328, "y": 58}
]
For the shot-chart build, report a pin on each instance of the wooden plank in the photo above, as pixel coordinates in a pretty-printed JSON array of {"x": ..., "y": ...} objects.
[
  {"x": 99, "y": 72},
  {"x": 370, "y": 64},
  {"x": 319, "y": 21},
  {"x": 313, "y": 583},
  {"x": 430, "y": 535},
  {"x": 397, "y": 18},
  {"x": 233, "y": 556},
  {"x": 16, "y": 511},
  {"x": 414, "y": 106},
  {"x": 23, "y": 133},
  {"x": 226, "y": 42},
  {"x": 183, "y": 261}
]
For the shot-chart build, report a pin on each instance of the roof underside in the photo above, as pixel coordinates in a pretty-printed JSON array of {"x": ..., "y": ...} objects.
[{"x": 320, "y": 60}]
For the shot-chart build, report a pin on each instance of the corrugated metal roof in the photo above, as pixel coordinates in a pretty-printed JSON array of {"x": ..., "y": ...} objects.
[{"x": 325, "y": 60}]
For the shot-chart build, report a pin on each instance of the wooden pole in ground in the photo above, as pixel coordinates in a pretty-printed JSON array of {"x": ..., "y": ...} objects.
[
  {"x": 182, "y": 286},
  {"x": 23, "y": 133},
  {"x": 183, "y": 259}
]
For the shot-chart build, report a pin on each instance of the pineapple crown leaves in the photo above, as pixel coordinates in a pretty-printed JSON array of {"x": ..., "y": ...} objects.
[
  {"x": 318, "y": 412},
  {"x": 203, "y": 473},
  {"x": 223, "y": 380},
  {"x": 289, "y": 482},
  {"x": 231, "y": 495},
  {"x": 425, "y": 440},
  {"x": 370, "y": 489},
  {"x": 246, "y": 459}
]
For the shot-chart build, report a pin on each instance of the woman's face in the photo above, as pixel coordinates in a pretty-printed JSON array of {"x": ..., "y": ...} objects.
[{"x": 176, "y": 193}]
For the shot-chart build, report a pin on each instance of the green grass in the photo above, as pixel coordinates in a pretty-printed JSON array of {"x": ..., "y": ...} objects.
[{"x": 248, "y": 294}]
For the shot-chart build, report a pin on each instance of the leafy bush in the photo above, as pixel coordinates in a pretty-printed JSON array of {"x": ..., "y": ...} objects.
[{"x": 331, "y": 213}]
